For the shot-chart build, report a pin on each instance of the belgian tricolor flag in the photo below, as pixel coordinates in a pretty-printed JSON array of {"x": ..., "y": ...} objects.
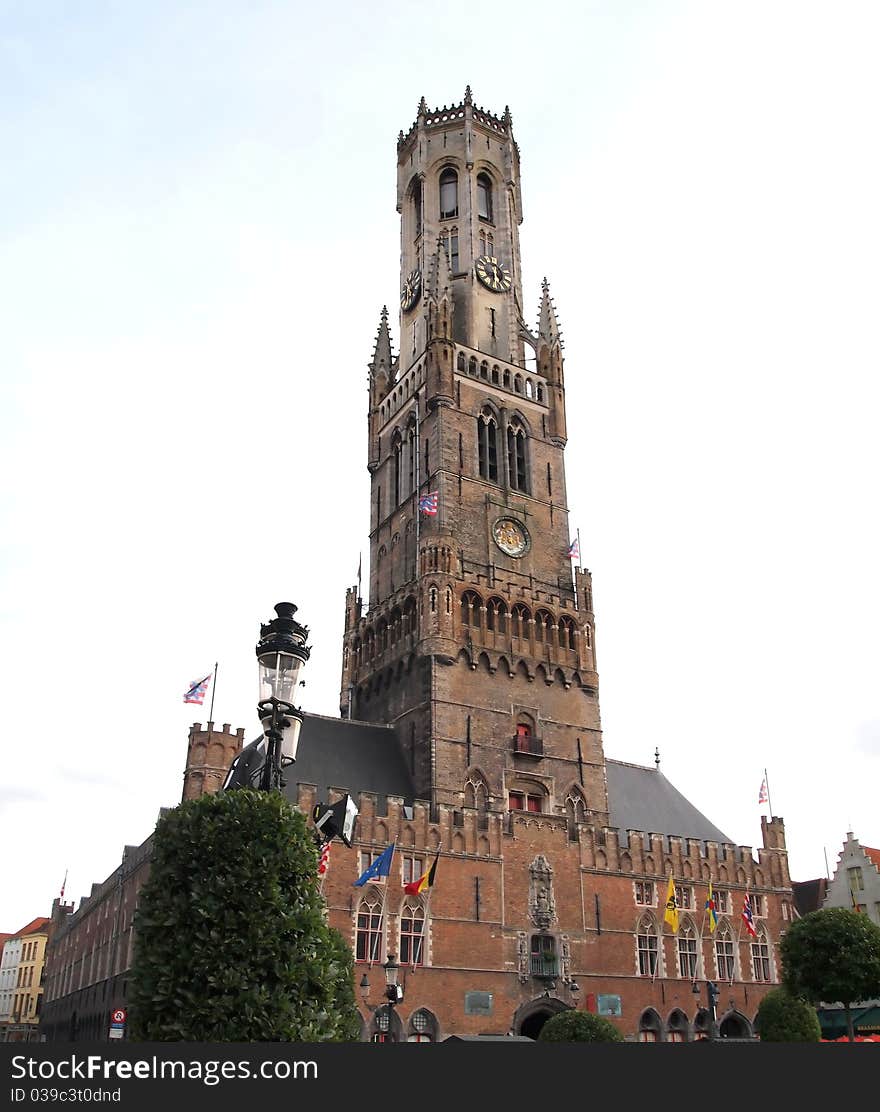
[{"x": 425, "y": 881}]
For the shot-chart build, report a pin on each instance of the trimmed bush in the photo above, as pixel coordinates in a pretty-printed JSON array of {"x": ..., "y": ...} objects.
[
  {"x": 572, "y": 1026},
  {"x": 231, "y": 940},
  {"x": 786, "y": 1018}
]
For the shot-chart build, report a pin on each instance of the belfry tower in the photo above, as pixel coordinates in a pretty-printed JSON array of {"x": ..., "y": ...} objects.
[{"x": 477, "y": 639}]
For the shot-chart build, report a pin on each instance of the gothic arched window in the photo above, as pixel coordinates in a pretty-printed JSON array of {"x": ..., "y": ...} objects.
[
  {"x": 412, "y": 935},
  {"x": 543, "y": 624},
  {"x": 487, "y": 445},
  {"x": 396, "y": 450},
  {"x": 566, "y": 633},
  {"x": 423, "y": 1027},
  {"x": 724, "y": 953},
  {"x": 517, "y": 462},
  {"x": 646, "y": 943},
  {"x": 484, "y": 197},
  {"x": 496, "y": 616},
  {"x": 417, "y": 207},
  {"x": 687, "y": 951},
  {"x": 519, "y": 620},
  {"x": 761, "y": 956},
  {"x": 470, "y": 609},
  {"x": 368, "y": 946},
  {"x": 448, "y": 193}
]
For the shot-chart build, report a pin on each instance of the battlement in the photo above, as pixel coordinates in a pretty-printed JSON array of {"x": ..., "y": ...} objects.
[
  {"x": 438, "y": 118},
  {"x": 471, "y": 832}
]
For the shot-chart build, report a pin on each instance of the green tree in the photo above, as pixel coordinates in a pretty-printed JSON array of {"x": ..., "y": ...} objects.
[
  {"x": 572, "y": 1026},
  {"x": 786, "y": 1018},
  {"x": 231, "y": 940},
  {"x": 832, "y": 955}
]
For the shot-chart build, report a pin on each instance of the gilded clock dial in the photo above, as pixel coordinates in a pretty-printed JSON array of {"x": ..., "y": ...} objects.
[
  {"x": 493, "y": 273},
  {"x": 510, "y": 536},
  {"x": 412, "y": 288}
]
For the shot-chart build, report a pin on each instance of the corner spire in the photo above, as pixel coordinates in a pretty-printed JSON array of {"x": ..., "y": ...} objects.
[
  {"x": 468, "y": 96},
  {"x": 382, "y": 361},
  {"x": 548, "y": 325}
]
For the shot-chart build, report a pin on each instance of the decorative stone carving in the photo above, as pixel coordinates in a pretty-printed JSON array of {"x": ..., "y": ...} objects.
[
  {"x": 542, "y": 905},
  {"x": 522, "y": 955}
]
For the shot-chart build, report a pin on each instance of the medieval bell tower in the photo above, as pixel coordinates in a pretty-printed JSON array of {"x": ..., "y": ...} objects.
[{"x": 477, "y": 639}]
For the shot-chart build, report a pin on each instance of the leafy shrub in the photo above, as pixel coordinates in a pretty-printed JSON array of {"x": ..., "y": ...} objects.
[
  {"x": 786, "y": 1018},
  {"x": 231, "y": 942},
  {"x": 572, "y": 1026}
]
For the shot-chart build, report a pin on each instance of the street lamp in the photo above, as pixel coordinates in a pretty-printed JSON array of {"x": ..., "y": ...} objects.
[
  {"x": 393, "y": 991},
  {"x": 281, "y": 652},
  {"x": 712, "y": 998}
]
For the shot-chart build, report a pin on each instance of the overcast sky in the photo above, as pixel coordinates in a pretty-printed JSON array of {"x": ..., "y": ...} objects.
[{"x": 197, "y": 236}]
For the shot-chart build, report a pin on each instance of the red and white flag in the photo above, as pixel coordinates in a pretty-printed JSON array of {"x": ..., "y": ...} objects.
[
  {"x": 324, "y": 862},
  {"x": 763, "y": 796},
  {"x": 747, "y": 915}
]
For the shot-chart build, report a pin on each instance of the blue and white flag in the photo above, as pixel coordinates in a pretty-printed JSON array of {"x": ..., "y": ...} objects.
[{"x": 380, "y": 867}]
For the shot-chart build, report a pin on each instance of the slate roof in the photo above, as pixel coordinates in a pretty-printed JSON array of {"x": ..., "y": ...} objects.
[
  {"x": 363, "y": 757},
  {"x": 355, "y": 756},
  {"x": 642, "y": 798},
  {"x": 809, "y": 895}
]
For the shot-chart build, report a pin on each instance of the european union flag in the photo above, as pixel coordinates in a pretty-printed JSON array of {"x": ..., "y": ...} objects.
[{"x": 380, "y": 867}]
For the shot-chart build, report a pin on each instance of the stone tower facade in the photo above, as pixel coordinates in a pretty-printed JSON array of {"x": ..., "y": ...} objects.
[{"x": 477, "y": 641}]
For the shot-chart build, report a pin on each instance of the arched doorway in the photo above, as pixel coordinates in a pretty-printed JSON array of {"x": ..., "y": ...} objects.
[
  {"x": 735, "y": 1026},
  {"x": 531, "y": 1017}
]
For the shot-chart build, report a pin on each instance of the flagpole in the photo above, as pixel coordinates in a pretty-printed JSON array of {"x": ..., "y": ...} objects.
[
  {"x": 579, "y": 548},
  {"x": 769, "y": 804},
  {"x": 213, "y": 689}
]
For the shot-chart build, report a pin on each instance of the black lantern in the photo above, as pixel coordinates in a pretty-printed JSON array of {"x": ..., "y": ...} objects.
[
  {"x": 281, "y": 652},
  {"x": 393, "y": 991}
]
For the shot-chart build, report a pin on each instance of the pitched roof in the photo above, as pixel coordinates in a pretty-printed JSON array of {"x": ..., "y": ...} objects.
[
  {"x": 641, "y": 798},
  {"x": 809, "y": 895},
  {"x": 873, "y": 855},
  {"x": 34, "y": 926},
  {"x": 344, "y": 753}
]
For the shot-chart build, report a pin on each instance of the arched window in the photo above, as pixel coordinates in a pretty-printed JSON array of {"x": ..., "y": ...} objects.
[
  {"x": 677, "y": 1027},
  {"x": 487, "y": 445},
  {"x": 725, "y": 959},
  {"x": 517, "y": 384},
  {"x": 448, "y": 194},
  {"x": 761, "y": 956},
  {"x": 524, "y": 738},
  {"x": 461, "y": 362},
  {"x": 472, "y": 366},
  {"x": 412, "y": 935},
  {"x": 516, "y": 456},
  {"x": 496, "y": 616},
  {"x": 470, "y": 609},
  {"x": 423, "y": 1027},
  {"x": 484, "y": 197},
  {"x": 649, "y": 1026},
  {"x": 369, "y": 931},
  {"x": 484, "y": 371},
  {"x": 566, "y": 633},
  {"x": 449, "y": 244},
  {"x": 543, "y": 623},
  {"x": 412, "y": 447},
  {"x": 519, "y": 620},
  {"x": 687, "y": 951},
  {"x": 646, "y": 945}
]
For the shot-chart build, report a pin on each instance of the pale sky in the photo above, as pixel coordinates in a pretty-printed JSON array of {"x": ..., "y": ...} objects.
[{"x": 197, "y": 236}]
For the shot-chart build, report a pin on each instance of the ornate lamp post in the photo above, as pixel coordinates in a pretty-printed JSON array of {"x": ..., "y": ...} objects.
[
  {"x": 393, "y": 990},
  {"x": 281, "y": 652}
]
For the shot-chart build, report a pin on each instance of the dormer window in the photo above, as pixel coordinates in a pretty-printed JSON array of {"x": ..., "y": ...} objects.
[
  {"x": 448, "y": 194},
  {"x": 484, "y": 197}
]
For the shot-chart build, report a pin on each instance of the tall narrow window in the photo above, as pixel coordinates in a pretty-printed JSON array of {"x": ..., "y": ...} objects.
[
  {"x": 647, "y": 946},
  {"x": 761, "y": 957},
  {"x": 516, "y": 456},
  {"x": 543, "y": 961},
  {"x": 484, "y": 197},
  {"x": 448, "y": 194},
  {"x": 453, "y": 251},
  {"x": 412, "y": 936},
  {"x": 487, "y": 446},
  {"x": 687, "y": 952},
  {"x": 417, "y": 206},
  {"x": 395, "y": 470},
  {"x": 369, "y": 937},
  {"x": 724, "y": 954}
]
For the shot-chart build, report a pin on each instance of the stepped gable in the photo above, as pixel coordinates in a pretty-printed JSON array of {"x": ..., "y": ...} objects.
[
  {"x": 641, "y": 798},
  {"x": 355, "y": 756}
]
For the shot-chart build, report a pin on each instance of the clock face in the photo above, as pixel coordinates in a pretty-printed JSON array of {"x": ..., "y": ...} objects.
[
  {"x": 492, "y": 273},
  {"x": 412, "y": 288},
  {"x": 510, "y": 536}
]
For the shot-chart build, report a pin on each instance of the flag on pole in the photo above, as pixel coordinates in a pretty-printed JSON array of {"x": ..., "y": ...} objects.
[
  {"x": 574, "y": 550},
  {"x": 63, "y": 886},
  {"x": 424, "y": 882},
  {"x": 763, "y": 795},
  {"x": 197, "y": 690},
  {"x": 428, "y": 502},
  {"x": 855, "y": 902},
  {"x": 380, "y": 867},
  {"x": 747, "y": 915},
  {"x": 324, "y": 862},
  {"x": 671, "y": 914},
  {"x": 711, "y": 909}
]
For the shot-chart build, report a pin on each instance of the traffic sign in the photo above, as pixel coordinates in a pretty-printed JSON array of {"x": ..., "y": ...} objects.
[{"x": 117, "y": 1015}]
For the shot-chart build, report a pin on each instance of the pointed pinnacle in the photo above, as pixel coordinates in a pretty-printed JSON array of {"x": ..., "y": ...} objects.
[
  {"x": 468, "y": 96},
  {"x": 423, "y": 108}
]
